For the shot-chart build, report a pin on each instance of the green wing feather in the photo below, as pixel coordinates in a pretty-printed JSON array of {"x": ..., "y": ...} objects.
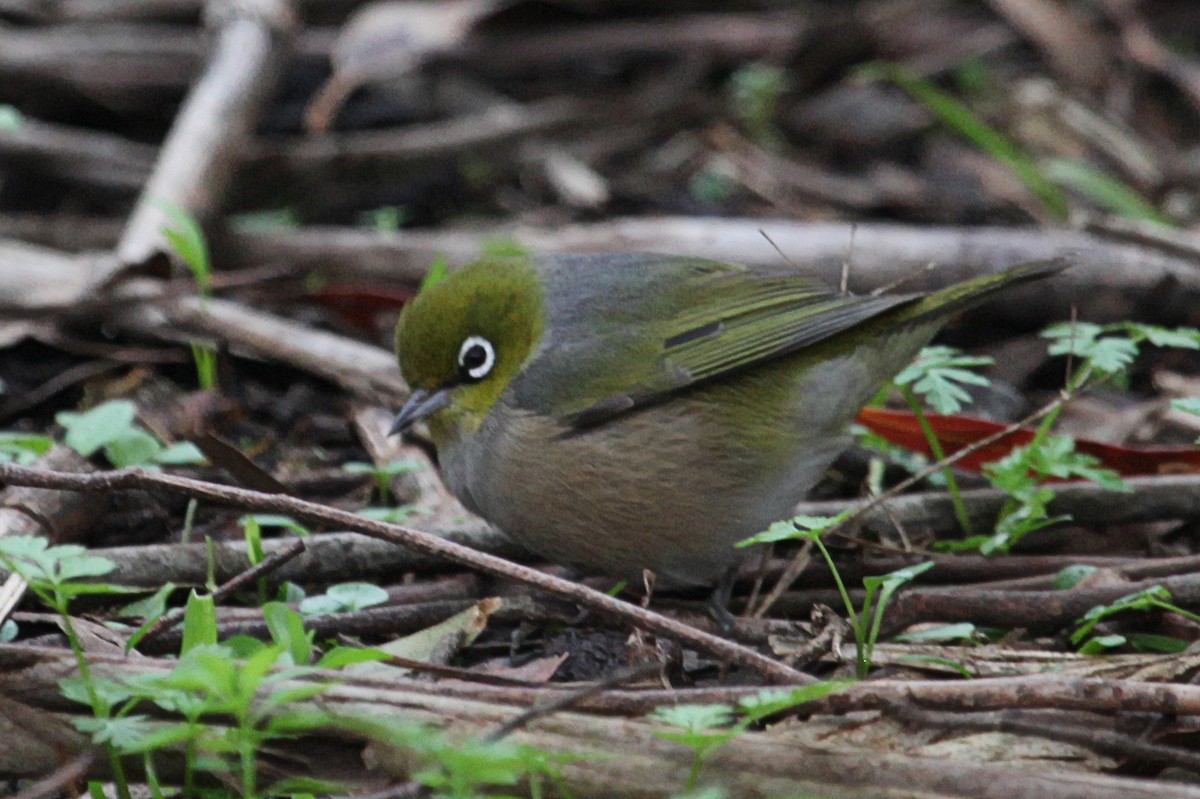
[
  {"x": 630, "y": 330},
  {"x": 661, "y": 324},
  {"x": 774, "y": 324}
]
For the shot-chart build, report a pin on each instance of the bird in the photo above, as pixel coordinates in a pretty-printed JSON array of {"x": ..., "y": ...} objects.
[{"x": 623, "y": 412}]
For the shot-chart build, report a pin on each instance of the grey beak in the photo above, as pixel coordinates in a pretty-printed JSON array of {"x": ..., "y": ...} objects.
[{"x": 421, "y": 403}]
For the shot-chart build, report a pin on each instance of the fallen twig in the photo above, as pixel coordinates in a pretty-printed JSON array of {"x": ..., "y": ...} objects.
[
  {"x": 313, "y": 513},
  {"x": 196, "y": 161}
]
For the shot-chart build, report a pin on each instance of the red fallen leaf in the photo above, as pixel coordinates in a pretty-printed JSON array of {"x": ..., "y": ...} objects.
[
  {"x": 956, "y": 432},
  {"x": 357, "y": 304}
]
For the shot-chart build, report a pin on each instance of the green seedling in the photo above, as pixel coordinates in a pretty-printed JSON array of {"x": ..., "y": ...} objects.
[
  {"x": 56, "y": 575},
  {"x": 706, "y": 728},
  {"x": 1154, "y": 598},
  {"x": 343, "y": 598},
  {"x": 186, "y": 238},
  {"x": 383, "y": 474},
  {"x": 938, "y": 375},
  {"x": 865, "y": 621}
]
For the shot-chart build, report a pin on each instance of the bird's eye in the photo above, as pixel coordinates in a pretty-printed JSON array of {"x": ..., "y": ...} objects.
[{"x": 476, "y": 357}]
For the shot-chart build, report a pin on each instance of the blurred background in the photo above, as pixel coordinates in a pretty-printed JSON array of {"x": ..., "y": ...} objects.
[{"x": 401, "y": 115}]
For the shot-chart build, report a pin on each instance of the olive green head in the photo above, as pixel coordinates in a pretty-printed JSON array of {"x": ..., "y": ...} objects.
[{"x": 463, "y": 339}]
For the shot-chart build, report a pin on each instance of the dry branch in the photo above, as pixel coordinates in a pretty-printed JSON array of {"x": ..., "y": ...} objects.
[
  {"x": 1088, "y": 504},
  {"x": 364, "y": 370},
  {"x": 76, "y": 154},
  {"x": 329, "y": 558},
  {"x": 416, "y": 540},
  {"x": 1106, "y": 284},
  {"x": 206, "y": 140},
  {"x": 784, "y": 760},
  {"x": 119, "y": 66}
]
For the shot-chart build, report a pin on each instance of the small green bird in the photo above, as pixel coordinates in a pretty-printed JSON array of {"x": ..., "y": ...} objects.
[{"x": 635, "y": 411}]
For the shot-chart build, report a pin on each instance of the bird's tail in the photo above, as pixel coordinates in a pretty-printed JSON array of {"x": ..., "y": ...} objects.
[{"x": 961, "y": 296}]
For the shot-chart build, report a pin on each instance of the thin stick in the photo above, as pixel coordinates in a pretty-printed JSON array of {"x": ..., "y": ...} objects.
[
  {"x": 314, "y": 513},
  {"x": 56, "y": 782},
  {"x": 782, "y": 254},
  {"x": 844, "y": 286},
  {"x": 574, "y": 697}
]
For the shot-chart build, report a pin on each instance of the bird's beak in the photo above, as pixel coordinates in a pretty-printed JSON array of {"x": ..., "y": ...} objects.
[{"x": 421, "y": 403}]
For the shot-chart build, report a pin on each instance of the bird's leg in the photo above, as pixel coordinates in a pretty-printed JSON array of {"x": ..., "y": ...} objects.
[{"x": 718, "y": 602}]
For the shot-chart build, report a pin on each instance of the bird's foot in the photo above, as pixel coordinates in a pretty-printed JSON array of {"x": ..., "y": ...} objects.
[{"x": 718, "y": 602}]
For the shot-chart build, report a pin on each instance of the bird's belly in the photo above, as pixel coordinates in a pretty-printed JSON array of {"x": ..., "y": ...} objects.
[
  {"x": 605, "y": 509},
  {"x": 671, "y": 487}
]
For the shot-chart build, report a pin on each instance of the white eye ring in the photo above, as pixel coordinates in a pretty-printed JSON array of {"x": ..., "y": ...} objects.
[{"x": 476, "y": 356}]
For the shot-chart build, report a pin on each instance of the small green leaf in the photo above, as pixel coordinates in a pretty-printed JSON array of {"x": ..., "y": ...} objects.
[
  {"x": 900, "y": 576},
  {"x": 252, "y": 532},
  {"x": 23, "y": 448},
  {"x": 84, "y": 565},
  {"x": 199, "y": 623},
  {"x": 152, "y": 606},
  {"x": 933, "y": 660},
  {"x": 109, "y": 692},
  {"x": 157, "y": 737},
  {"x": 89, "y": 431},
  {"x": 799, "y": 527},
  {"x": 266, "y": 520},
  {"x": 1154, "y": 597},
  {"x": 771, "y": 701},
  {"x": 134, "y": 447},
  {"x": 1070, "y": 576},
  {"x": 1149, "y": 642},
  {"x": 342, "y": 656},
  {"x": 356, "y": 596},
  {"x": 1104, "y": 190},
  {"x": 1187, "y": 405},
  {"x": 186, "y": 237},
  {"x": 938, "y": 373},
  {"x": 1184, "y": 338},
  {"x": 1105, "y": 353},
  {"x": 287, "y": 630},
  {"x": 320, "y": 605},
  {"x": 942, "y": 633},
  {"x": 693, "y": 718},
  {"x": 124, "y": 733},
  {"x": 10, "y": 119},
  {"x": 183, "y": 453},
  {"x": 344, "y": 597},
  {"x": 1101, "y": 644}
]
